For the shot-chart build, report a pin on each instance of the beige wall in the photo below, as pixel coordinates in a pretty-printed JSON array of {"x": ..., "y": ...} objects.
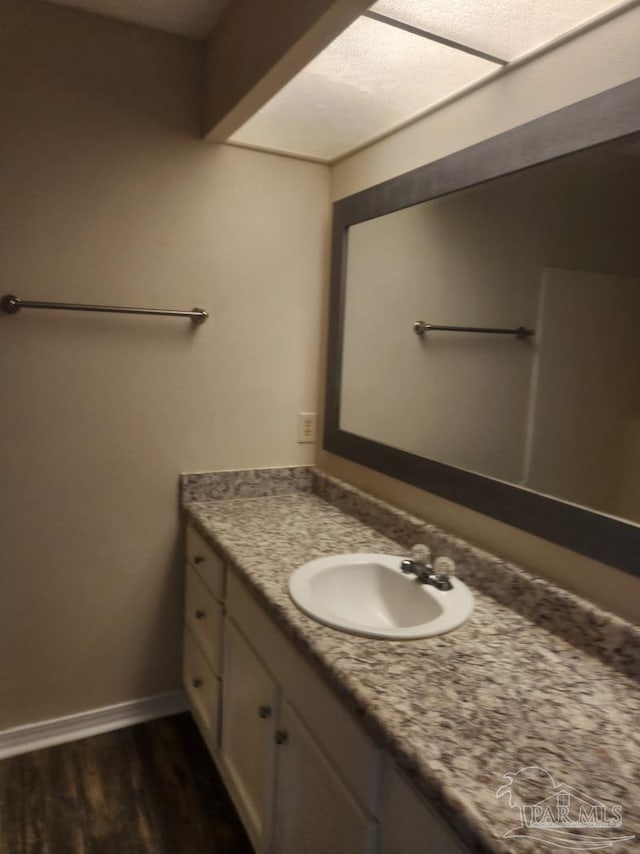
[
  {"x": 108, "y": 197},
  {"x": 587, "y": 375},
  {"x": 591, "y": 63}
]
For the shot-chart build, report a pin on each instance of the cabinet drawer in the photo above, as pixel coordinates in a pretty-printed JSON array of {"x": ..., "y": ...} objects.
[
  {"x": 210, "y": 567},
  {"x": 203, "y": 615},
  {"x": 203, "y": 689},
  {"x": 354, "y": 755}
]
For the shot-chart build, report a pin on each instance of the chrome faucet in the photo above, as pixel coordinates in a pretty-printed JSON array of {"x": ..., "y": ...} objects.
[{"x": 436, "y": 574}]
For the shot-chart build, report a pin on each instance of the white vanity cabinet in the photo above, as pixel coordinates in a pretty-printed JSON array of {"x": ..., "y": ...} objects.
[{"x": 303, "y": 774}]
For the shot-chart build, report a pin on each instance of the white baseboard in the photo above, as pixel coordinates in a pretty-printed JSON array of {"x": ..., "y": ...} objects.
[{"x": 24, "y": 739}]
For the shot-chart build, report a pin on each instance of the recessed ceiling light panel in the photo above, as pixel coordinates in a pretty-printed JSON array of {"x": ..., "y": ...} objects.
[
  {"x": 372, "y": 78},
  {"x": 505, "y": 28}
]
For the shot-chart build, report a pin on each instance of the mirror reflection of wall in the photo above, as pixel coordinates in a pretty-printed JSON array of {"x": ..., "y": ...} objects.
[{"x": 555, "y": 248}]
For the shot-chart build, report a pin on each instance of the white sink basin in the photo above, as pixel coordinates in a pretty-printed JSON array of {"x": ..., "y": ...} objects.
[{"x": 368, "y": 594}]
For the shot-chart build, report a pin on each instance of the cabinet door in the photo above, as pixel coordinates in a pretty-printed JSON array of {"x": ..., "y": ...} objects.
[
  {"x": 409, "y": 825},
  {"x": 315, "y": 813},
  {"x": 250, "y": 705}
]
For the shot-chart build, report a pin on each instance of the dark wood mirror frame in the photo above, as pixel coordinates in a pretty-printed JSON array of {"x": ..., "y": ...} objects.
[{"x": 604, "y": 117}]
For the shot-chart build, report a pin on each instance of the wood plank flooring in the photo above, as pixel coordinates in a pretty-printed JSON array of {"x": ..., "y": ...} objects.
[{"x": 148, "y": 789}]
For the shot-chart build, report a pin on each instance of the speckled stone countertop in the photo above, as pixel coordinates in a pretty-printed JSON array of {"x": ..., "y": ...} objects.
[{"x": 536, "y": 677}]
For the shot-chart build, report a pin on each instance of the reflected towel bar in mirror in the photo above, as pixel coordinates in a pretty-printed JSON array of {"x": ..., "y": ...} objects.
[
  {"x": 12, "y": 304},
  {"x": 420, "y": 327}
]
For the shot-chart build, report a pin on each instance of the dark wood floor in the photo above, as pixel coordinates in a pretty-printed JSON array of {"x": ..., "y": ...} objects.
[{"x": 149, "y": 789}]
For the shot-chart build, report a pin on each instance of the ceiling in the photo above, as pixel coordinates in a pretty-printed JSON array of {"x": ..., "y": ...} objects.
[
  {"x": 395, "y": 62},
  {"x": 193, "y": 19}
]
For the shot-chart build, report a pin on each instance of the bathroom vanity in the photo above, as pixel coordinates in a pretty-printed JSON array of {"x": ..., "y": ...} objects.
[
  {"x": 303, "y": 773},
  {"x": 332, "y": 742}
]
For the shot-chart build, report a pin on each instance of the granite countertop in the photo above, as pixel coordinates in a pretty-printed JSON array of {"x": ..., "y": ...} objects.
[{"x": 536, "y": 677}]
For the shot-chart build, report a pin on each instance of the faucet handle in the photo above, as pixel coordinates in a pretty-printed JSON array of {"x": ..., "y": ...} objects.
[
  {"x": 444, "y": 566},
  {"x": 408, "y": 566},
  {"x": 421, "y": 554}
]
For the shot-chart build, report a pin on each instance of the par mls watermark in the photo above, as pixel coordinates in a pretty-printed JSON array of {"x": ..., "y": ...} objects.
[{"x": 557, "y": 815}]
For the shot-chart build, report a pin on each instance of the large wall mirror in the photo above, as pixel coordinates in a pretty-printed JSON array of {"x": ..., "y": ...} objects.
[{"x": 525, "y": 403}]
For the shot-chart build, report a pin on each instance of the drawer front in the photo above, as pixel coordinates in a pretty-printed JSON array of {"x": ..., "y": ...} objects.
[
  {"x": 354, "y": 755},
  {"x": 210, "y": 567},
  {"x": 203, "y": 616},
  {"x": 203, "y": 689}
]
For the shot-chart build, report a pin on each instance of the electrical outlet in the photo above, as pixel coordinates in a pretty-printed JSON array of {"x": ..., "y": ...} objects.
[{"x": 306, "y": 427}]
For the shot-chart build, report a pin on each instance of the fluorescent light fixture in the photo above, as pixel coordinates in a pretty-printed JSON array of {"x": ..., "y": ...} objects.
[
  {"x": 379, "y": 75},
  {"x": 506, "y": 28},
  {"x": 370, "y": 79}
]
